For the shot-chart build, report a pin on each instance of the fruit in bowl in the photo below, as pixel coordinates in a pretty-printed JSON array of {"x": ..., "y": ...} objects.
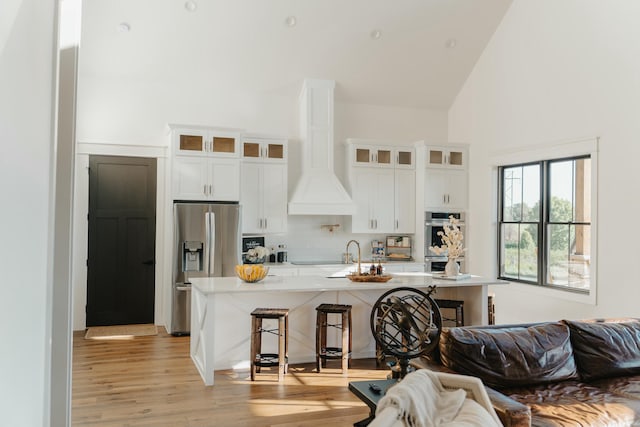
[{"x": 251, "y": 273}]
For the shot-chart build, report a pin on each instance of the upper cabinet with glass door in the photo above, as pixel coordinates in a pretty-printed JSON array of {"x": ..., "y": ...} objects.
[
  {"x": 447, "y": 157},
  {"x": 262, "y": 149},
  {"x": 382, "y": 155},
  {"x": 204, "y": 141}
]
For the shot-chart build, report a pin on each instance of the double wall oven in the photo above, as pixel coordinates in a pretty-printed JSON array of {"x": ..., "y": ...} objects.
[{"x": 433, "y": 223}]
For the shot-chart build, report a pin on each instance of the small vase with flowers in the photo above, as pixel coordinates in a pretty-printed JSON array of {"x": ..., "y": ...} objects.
[{"x": 452, "y": 246}]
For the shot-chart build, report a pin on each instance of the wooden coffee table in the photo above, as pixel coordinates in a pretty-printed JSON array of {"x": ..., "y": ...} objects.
[{"x": 363, "y": 390}]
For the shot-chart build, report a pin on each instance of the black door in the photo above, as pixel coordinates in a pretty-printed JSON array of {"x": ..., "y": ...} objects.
[{"x": 122, "y": 227}]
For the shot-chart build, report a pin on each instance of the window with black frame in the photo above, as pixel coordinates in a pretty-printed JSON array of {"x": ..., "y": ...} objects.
[{"x": 545, "y": 223}]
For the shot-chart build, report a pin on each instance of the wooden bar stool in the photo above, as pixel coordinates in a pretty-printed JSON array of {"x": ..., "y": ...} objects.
[
  {"x": 452, "y": 304},
  {"x": 260, "y": 359},
  {"x": 322, "y": 351}
]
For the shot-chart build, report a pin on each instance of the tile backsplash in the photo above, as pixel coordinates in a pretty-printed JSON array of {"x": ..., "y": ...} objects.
[{"x": 308, "y": 238}]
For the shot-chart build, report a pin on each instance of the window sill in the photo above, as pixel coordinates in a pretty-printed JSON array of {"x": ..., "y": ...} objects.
[{"x": 562, "y": 294}]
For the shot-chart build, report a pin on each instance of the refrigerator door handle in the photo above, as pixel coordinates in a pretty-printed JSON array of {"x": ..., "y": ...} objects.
[{"x": 211, "y": 241}]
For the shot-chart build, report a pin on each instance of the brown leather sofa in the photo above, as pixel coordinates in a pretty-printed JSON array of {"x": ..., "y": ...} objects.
[{"x": 567, "y": 373}]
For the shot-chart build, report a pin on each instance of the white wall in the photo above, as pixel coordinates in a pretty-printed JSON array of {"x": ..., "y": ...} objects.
[
  {"x": 559, "y": 71},
  {"x": 26, "y": 219}
]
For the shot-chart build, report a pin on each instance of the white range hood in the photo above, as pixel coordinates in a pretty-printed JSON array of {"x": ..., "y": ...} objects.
[{"x": 319, "y": 191}]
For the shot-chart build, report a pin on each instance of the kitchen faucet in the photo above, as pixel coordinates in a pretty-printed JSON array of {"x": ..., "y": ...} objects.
[{"x": 347, "y": 251}]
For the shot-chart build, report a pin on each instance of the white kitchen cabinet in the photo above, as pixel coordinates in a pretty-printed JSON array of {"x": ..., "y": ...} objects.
[
  {"x": 370, "y": 155},
  {"x": 206, "y": 178},
  {"x": 263, "y": 150},
  {"x": 445, "y": 189},
  {"x": 202, "y": 141},
  {"x": 405, "y": 201},
  {"x": 447, "y": 157},
  {"x": 405, "y": 158},
  {"x": 372, "y": 191},
  {"x": 205, "y": 163},
  {"x": 382, "y": 156},
  {"x": 382, "y": 180},
  {"x": 263, "y": 194},
  {"x": 263, "y": 197}
]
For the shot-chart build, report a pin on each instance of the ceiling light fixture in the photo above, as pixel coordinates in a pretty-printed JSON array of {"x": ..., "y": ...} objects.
[
  {"x": 451, "y": 43},
  {"x": 290, "y": 21},
  {"x": 123, "y": 27},
  {"x": 376, "y": 34},
  {"x": 191, "y": 5}
]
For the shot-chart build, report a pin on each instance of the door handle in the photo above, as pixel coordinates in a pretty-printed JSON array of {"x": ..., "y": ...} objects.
[{"x": 149, "y": 262}]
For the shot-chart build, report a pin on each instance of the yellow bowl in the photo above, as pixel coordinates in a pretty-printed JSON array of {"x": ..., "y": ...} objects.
[{"x": 252, "y": 273}]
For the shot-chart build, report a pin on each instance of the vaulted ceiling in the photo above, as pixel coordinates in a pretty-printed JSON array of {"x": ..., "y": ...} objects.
[{"x": 410, "y": 53}]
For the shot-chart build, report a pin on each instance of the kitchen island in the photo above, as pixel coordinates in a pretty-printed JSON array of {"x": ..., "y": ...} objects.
[{"x": 221, "y": 307}]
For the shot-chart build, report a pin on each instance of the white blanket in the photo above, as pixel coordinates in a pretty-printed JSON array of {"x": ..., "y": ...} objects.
[{"x": 422, "y": 399}]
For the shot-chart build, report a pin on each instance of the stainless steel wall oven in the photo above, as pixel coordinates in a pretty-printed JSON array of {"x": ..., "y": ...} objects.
[{"x": 433, "y": 223}]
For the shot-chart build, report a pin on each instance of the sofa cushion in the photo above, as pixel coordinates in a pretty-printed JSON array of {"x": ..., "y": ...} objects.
[
  {"x": 606, "y": 348},
  {"x": 625, "y": 386},
  {"x": 574, "y": 403},
  {"x": 512, "y": 356}
]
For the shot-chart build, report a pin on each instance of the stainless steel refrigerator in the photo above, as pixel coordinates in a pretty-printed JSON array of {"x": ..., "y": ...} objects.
[{"x": 206, "y": 244}]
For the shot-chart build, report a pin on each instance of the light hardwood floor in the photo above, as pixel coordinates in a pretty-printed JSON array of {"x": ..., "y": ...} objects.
[{"x": 151, "y": 381}]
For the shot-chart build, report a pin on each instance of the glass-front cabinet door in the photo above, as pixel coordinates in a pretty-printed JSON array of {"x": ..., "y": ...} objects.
[
  {"x": 405, "y": 158},
  {"x": 447, "y": 157},
  {"x": 223, "y": 145},
  {"x": 191, "y": 142},
  {"x": 368, "y": 155},
  {"x": 264, "y": 150},
  {"x": 205, "y": 142}
]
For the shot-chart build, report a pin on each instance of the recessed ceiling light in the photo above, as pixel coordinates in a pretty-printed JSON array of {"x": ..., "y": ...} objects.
[
  {"x": 376, "y": 34},
  {"x": 451, "y": 43},
  {"x": 123, "y": 27},
  {"x": 191, "y": 5},
  {"x": 290, "y": 21}
]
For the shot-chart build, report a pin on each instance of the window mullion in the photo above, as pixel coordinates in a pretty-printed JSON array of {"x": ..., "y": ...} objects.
[{"x": 543, "y": 221}]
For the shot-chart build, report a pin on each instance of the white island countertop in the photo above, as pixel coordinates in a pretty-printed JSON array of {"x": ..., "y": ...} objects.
[
  {"x": 208, "y": 285},
  {"x": 221, "y": 310}
]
